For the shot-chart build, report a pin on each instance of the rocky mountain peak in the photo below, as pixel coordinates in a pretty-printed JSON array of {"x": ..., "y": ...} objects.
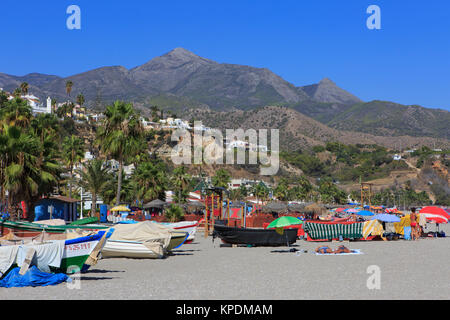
[{"x": 326, "y": 81}]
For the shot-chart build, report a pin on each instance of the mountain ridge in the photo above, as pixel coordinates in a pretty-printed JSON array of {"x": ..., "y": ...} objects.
[{"x": 180, "y": 75}]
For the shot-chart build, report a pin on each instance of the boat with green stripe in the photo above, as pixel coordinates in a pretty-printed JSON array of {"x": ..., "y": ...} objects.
[{"x": 28, "y": 229}]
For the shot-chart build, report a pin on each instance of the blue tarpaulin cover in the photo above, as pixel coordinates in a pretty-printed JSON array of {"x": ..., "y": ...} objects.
[{"x": 32, "y": 278}]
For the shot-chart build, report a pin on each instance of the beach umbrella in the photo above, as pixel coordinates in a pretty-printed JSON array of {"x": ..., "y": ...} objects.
[
  {"x": 386, "y": 218},
  {"x": 282, "y": 222},
  {"x": 435, "y": 217},
  {"x": 435, "y": 211},
  {"x": 120, "y": 209},
  {"x": 365, "y": 213},
  {"x": 351, "y": 210},
  {"x": 340, "y": 209}
]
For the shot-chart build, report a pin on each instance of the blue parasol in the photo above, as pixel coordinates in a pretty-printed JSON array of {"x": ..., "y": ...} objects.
[
  {"x": 386, "y": 217},
  {"x": 365, "y": 213}
]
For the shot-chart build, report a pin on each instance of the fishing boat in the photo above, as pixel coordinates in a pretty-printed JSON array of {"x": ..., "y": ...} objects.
[
  {"x": 130, "y": 249},
  {"x": 79, "y": 254},
  {"x": 177, "y": 239},
  {"x": 143, "y": 240},
  {"x": 187, "y": 226},
  {"x": 141, "y": 249},
  {"x": 255, "y": 236},
  {"x": 28, "y": 229}
]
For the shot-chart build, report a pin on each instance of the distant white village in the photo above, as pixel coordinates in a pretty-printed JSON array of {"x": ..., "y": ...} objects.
[{"x": 80, "y": 113}]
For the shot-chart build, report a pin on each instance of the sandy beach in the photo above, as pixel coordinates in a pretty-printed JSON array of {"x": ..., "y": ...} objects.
[{"x": 204, "y": 271}]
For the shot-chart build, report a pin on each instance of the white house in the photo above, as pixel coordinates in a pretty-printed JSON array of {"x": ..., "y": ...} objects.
[
  {"x": 88, "y": 156},
  {"x": 237, "y": 144},
  {"x": 35, "y": 104}
]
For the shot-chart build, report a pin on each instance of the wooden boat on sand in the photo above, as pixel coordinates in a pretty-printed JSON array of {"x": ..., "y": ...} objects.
[
  {"x": 79, "y": 253},
  {"x": 28, "y": 229},
  {"x": 254, "y": 236},
  {"x": 143, "y": 240}
]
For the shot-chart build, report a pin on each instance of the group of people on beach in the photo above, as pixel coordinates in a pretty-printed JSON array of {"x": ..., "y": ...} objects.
[{"x": 326, "y": 249}]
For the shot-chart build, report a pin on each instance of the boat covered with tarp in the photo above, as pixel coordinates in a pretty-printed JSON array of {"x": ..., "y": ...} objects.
[
  {"x": 142, "y": 240},
  {"x": 68, "y": 253},
  {"x": 255, "y": 236}
]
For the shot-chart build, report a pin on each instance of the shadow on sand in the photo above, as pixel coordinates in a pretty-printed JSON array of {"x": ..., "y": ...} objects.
[{"x": 102, "y": 271}]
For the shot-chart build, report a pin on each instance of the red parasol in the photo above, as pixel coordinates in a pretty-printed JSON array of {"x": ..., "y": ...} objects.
[{"x": 435, "y": 211}]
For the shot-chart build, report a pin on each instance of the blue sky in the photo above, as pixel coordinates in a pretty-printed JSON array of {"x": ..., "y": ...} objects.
[{"x": 407, "y": 61}]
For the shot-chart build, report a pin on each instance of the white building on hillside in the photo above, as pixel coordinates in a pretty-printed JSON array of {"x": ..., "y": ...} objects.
[{"x": 35, "y": 104}]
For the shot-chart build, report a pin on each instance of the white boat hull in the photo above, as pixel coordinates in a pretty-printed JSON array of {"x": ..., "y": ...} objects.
[
  {"x": 128, "y": 249},
  {"x": 185, "y": 226}
]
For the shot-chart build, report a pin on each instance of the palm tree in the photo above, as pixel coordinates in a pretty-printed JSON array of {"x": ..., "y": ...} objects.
[
  {"x": 149, "y": 181},
  {"x": 24, "y": 88},
  {"x": 73, "y": 153},
  {"x": 120, "y": 136},
  {"x": 66, "y": 108},
  {"x": 44, "y": 124},
  {"x": 17, "y": 93},
  {"x": 25, "y": 174},
  {"x": 154, "y": 110},
  {"x": 221, "y": 179},
  {"x": 174, "y": 213},
  {"x": 69, "y": 85},
  {"x": 260, "y": 192},
  {"x": 45, "y": 127},
  {"x": 305, "y": 188},
  {"x": 180, "y": 180},
  {"x": 54, "y": 102},
  {"x": 243, "y": 190},
  {"x": 281, "y": 192},
  {"x": 17, "y": 112},
  {"x": 80, "y": 99},
  {"x": 236, "y": 194},
  {"x": 94, "y": 177}
]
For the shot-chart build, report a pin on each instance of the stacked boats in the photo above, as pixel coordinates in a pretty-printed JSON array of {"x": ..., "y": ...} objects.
[
  {"x": 56, "y": 247},
  {"x": 70, "y": 252}
]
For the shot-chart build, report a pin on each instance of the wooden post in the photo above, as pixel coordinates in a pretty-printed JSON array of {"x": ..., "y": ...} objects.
[
  {"x": 206, "y": 217},
  {"x": 228, "y": 210},
  {"x": 212, "y": 212},
  {"x": 245, "y": 214}
]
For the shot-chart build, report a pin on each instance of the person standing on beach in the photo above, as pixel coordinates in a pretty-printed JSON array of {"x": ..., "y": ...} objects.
[{"x": 413, "y": 217}]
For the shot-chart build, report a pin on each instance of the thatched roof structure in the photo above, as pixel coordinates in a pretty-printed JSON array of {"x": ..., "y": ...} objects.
[
  {"x": 155, "y": 204},
  {"x": 275, "y": 206},
  {"x": 297, "y": 207},
  {"x": 196, "y": 205},
  {"x": 316, "y": 208}
]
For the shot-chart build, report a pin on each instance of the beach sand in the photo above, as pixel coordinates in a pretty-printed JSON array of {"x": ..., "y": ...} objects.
[{"x": 204, "y": 271}]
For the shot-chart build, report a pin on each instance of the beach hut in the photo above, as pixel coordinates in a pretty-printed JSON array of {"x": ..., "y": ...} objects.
[
  {"x": 155, "y": 206},
  {"x": 56, "y": 207}
]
